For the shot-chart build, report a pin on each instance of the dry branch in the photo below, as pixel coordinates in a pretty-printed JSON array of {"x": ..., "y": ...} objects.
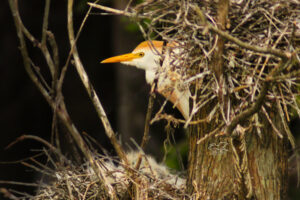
[{"x": 89, "y": 88}]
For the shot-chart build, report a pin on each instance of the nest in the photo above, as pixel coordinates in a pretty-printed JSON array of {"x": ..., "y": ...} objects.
[
  {"x": 260, "y": 57},
  {"x": 152, "y": 180}
]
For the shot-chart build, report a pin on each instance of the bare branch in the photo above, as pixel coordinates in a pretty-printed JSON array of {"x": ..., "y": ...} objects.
[
  {"x": 255, "y": 107},
  {"x": 111, "y": 10},
  {"x": 147, "y": 127},
  {"x": 45, "y": 22},
  {"x": 147, "y": 121},
  {"x": 237, "y": 41},
  {"x": 57, "y": 105},
  {"x": 26, "y": 59},
  {"x": 19, "y": 183},
  {"x": 90, "y": 90}
]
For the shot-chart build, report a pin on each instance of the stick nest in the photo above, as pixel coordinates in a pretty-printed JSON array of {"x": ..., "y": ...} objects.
[
  {"x": 152, "y": 180},
  {"x": 265, "y": 25}
]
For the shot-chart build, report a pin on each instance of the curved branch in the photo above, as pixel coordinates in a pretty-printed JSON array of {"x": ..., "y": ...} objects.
[
  {"x": 245, "y": 45},
  {"x": 255, "y": 107},
  {"x": 267, "y": 50},
  {"x": 26, "y": 59},
  {"x": 89, "y": 88}
]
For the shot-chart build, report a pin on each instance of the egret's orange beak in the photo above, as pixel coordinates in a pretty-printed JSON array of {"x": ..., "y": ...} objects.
[{"x": 121, "y": 58}]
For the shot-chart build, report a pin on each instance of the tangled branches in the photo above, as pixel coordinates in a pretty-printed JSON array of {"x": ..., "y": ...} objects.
[
  {"x": 152, "y": 180},
  {"x": 260, "y": 66}
]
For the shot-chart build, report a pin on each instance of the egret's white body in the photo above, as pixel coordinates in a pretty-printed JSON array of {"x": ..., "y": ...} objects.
[{"x": 154, "y": 57}]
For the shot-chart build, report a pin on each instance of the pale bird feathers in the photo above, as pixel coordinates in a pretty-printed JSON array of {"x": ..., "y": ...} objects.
[{"x": 148, "y": 56}]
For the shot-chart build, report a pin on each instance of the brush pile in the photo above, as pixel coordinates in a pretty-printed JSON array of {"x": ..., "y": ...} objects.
[
  {"x": 262, "y": 40},
  {"x": 264, "y": 24},
  {"x": 152, "y": 180}
]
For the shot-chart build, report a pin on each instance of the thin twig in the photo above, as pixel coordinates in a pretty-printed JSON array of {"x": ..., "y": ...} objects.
[
  {"x": 20, "y": 28},
  {"x": 147, "y": 127},
  {"x": 273, "y": 51},
  {"x": 22, "y": 160},
  {"x": 260, "y": 99},
  {"x": 45, "y": 22},
  {"x": 41, "y": 140},
  {"x": 55, "y": 54},
  {"x": 65, "y": 67},
  {"x": 19, "y": 183},
  {"x": 112, "y": 10}
]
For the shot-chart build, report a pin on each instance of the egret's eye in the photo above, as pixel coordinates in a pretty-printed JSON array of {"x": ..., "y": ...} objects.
[{"x": 141, "y": 54}]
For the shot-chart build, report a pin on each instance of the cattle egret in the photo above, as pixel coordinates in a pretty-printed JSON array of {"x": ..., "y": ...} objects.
[{"x": 154, "y": 57}]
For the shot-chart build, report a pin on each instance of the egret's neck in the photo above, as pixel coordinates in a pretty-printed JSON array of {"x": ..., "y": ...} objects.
[{"x": 150, "y": 76}]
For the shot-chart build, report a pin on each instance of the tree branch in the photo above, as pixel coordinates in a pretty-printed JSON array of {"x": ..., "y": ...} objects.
[
  {"x": 90, "y": 90},
  {"x": 255, "y": 107},
  {"x": 57, "y": 104},
  {"x": 26, "y": 59},
  {"x": 272, "y": 51},
  {"x": 147, "y": 127},
  {"x": 45, "y": 22},
  {"x": 111, "y": 10}
]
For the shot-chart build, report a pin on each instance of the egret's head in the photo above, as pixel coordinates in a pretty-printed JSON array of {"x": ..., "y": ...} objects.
[{"x": 145, "y": 56}]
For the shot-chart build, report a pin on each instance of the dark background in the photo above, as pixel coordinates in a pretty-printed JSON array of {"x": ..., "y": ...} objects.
[{"x": 122, "y": 90}]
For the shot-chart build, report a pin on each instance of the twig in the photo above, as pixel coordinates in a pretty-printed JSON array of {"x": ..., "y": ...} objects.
[
  {"x": 19, "y": 183},
  {"x": 112, "y": 10},
  {"x": 54, "y": 48},
  {"x": 37, "y": 71},
  {"x": 128, "y": 4},
  {"x": 147, "y": 120},
  {"x": 41, "y": 140},
  {"x": 22, "y": 160},
  {"x": 20, "y": 28},
  {"x": 8, "y": 194},
  {"x": 210, "y": 134},
  {"x": 38, "y": 170},
  {"x": 260, "y": 99},
  {"x": 245, "y": 45},
  {"x": 45, "y": 22},
  {"x": 65, "y": 67},
  {"x": 175, "y": 120},
  {"x": 23, "y": 29},
  {"x": 62, "y": 113},
  {"x": 69, "y": 190},
  {"x": 18, "y": 22},
  {"x": 42, "y": 166},
  {"x": 147, "y": 127},
  {"x": 273, "y": 51},
  {"x": 271, "y": 123}
]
